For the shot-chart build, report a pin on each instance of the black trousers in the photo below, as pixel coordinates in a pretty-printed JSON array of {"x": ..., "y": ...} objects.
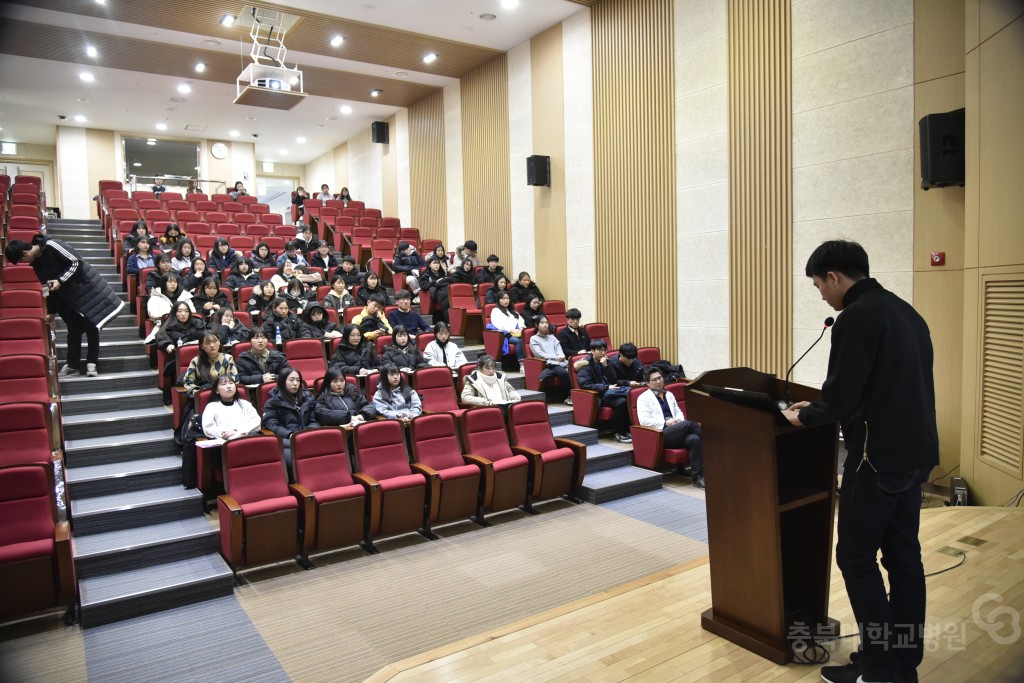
[
  {"x": 882, "y": 511},
  {"x": 77, "y": 326},
  {"x": 620, "y": 410},
  {"x": 562, "y": 392},
  {"x": 686, "y": 434}
]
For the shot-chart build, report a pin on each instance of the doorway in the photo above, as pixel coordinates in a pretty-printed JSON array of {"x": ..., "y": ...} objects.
[{"x": 277, "y": 194}]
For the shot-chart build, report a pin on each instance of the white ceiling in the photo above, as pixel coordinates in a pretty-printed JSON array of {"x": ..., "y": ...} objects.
[{"x": 34, "y": 92}]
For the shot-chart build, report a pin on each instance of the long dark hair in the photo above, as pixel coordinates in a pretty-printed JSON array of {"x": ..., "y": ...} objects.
[
  {"x": 204, "y": 364},
  {"x": 347, "y": 332},
  {"x": 223, "y": 379},
  {"x": 164, "y": 279},
  {"x": 401, "y": 329},
  {"x": 507, "y": 310},
  {"x": 173, "y": 315},
  {"x": 325, "y": 393},
  {"x": 282, "y": 389},
  {"x": 384, "y": 386},
  {"x": 181, "y": 246}
]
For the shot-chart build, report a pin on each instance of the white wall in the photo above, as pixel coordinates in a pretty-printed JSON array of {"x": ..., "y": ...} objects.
[
  {"x": 453, "y": 165},
  {"x": 365, "y": 170},
  {"x": 404, "y": 171},
  {"x": 320, "y": 171},
  {"x": 520, "y": 146},
  {"x": 73, "y": 173}
]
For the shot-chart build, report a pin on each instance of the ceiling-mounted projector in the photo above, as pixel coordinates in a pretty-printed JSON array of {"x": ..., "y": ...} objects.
[
  {"x": 267, "y": 81},
  {"x": 272, "y": 84}
]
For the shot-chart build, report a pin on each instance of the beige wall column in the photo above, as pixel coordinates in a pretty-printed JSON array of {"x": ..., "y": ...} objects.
[
  {"x": 389, "y": 172},
  {"x": 634, "y": 171},
  {"x": 760, "y": 184},
  {"x": 520, "y": 145},
  {"x": 454, "y": 189},
  {"x": 72, "y": 173},
  {"x": 99, "y": 145},
  {"x": 365, "y": 170},
  {"x": 400, "y": 135},
  {"x": 428, "y": 195}
]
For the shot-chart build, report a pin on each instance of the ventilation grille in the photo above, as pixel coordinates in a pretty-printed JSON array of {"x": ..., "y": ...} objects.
[{"x": 1002, "y": 374}]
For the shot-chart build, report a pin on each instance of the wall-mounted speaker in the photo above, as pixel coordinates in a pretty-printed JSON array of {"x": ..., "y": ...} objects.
[
  {"x": 538, "y": 170},
  {"x": 942, "y": 149},
  {"x": 380, "y": 131}
]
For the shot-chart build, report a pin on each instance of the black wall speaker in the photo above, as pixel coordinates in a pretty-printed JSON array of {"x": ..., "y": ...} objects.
[
  {"x": 538, "y": 170},
  {"x": 942, "y": 149},
  {"x": 380, "y": 131}
]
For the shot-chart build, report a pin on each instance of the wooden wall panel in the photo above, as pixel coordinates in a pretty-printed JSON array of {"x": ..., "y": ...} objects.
[
  {"x": 485, "y": 158},
  {"x": 426, "y": 167},
  {"x": 761, "y": 184},
  {"x": 634, "y": 172}
]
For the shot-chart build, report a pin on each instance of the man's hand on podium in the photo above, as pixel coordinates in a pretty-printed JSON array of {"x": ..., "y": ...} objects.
[{"x": 792, "y": 413}]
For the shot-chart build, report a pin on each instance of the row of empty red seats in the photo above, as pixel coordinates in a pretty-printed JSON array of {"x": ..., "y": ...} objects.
[{"x": 22, "y": 207}]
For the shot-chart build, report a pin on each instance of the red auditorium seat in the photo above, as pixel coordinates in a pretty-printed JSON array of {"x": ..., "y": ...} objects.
[
  {"x": 534, "y": 366},
  {"x": 436, "y": 390},
  {"x": 306, "y": 356},
  {"x": 554, "y": 310},
  {"x": 20, "y": 277},
  {"x": 30, "y": 432},
  {"x": 587, "y": 410},
  {"x": 27, "y": 378},
  {"x": 382, "y": 463},
  {"x": 22, "y": 303},
  {"x": 557, "y": 466},
  {"x": 32, "y": 336},
  {"x": 599, "y": 331},
  {"x": 505, "y": 474},
  {"x": 466, "y": 317},
  {"x": 453, "y": 491}
]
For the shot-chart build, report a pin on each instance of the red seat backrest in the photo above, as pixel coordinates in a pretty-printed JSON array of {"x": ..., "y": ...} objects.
[
  {"x": 271, "y": 218},
  {"x": 572, "y": 369},
  {"x": 275, "y": 242},
  {"x": 598, "y": 331},
  {"x": 16, "y": 303},
  {"x": 320, "y": 459},
  {"x": 232, "y": 207},
  {"x": 527, "y": 335},
  {"x": 257, "y": 208},
  {"x": 254, "y": 469},
  {"x": 555, "y": 312},
  {"x": 423, "y": 339},
  {"x": 257, "y": 230},
  {"x": 198, "y": 228},
  {"x": 29, "y": 503},
  {"x": 436, "y": 389},
  {"x": 215, "y": 217},
  {"x": 157, "y": 215},
  {"x": 242, "y": 242},
  {"x": 381, "y": 451},
  {"x": 20, "y": 277},
  {"x": 186, "y": 215},
  {"x": 285, "y": 231},
  {"x": 483, "y": 433},
  {"x": 244, "y": 218},
  {"x": 435, "y": 443},
  {"x": 634, "y": 396},
  {"x": 460, "y": 295},
  {"x": 529, "y": 426},
  {"x": 26, "y": 432}
]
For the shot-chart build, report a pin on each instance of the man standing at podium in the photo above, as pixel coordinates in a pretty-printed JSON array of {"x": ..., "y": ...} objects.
[{"x": 881, "y": 390}]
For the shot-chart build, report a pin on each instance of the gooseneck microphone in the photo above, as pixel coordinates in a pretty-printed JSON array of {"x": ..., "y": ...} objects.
[{"x": 786, "y": 401}]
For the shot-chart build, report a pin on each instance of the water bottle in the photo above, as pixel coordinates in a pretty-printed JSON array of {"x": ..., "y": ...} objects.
[
  {"x": 46, "y": 291},
  {"x": 277, "y": 335}
]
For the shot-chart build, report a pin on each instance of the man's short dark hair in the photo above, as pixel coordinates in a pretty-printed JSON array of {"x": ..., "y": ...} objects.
[
  {"x": 598, "y": 344},
  {"x": 14, "y": 250},
  {"x": 378, "y": 299},
  {"x": 403, "y": 294},
  {"x": 349, "y": 259},
  {"x": 306, "y": 228},
  {"x": 652, "y": 371},
  {"x": 470, "y": 244},
  {"x": 839, "y": 256},
  {"x": 628, "y": 350},
  {"x": 573, "y": 313},
  {"x": 292, "y": 245},
  {"x": 493, "y": 258},
  {"x": 258, "y": 332}
]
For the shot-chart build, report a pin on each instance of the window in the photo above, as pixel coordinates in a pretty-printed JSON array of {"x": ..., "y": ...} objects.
[{"x": 8, "y": 148}]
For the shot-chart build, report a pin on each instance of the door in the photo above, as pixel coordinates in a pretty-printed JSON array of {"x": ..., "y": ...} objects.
[{"x": 277, "y": 194}]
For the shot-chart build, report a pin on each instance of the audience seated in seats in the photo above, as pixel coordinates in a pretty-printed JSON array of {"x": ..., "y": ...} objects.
[
  {"x": 307, "y": 242},
  {"x": 290, "y": 408},
  {"x": 279, "y": 319},
  {"x": 325, "y": 193},
  {"x": 181, "y": 328},
  {"x": 408, "y": 262},
  {"x": 434, "y": 283},
  {"x": 573, "y": 338},
  {"x": 658, "y": 409},
  {"x": 395, "y": 399},
  {"x": 298, "y": 296},
  {"x": 628, "y": 370},
  {"x": 488, "y": 386},
  {"x": 292, "y": 253},
  {"x": 262, "y": 298},
  {"x": 532, "y": 311},
  {"x": 242, "y": 275},
  {"x": 442, "y": 351},
  {"x": 340, "y": 404},
  {"x": 139, "y": 229},
  {"x": 504, "y": 318},
  {"x": 287, "y": 270},
  {"x": 158, "y": 187},
  {"x": 355, "y": 354},
  {"x": 441, "y": 254},
  {"x": 371, "y": 287},
  {"x": 199, "y": 272},
  {"x": 323, "y": 258},
  {"x": 501, "y": 284},
  {"x": 317, "y": 322},
  {"x": 405, "y": 316},
  {"x": 491, "y": 272},
  {"x": 163, "y": 267},
  {"x": 172, "y": 236},
  {"x": 594, "y": 374},
  {"x": 167, "y": 292},
  {"x": 231, "y": 416},
  {"x": 238, "y": 191},
  {"x": 183, "y": 255},
  {"x": 229, "y": 329},
  {"x": 545, "y": 346},
  {"x": 371, "y": 320},
  {"x": 345, "y": 196},
  {"x": 142, "y": 258},
  {"x": 463, "y": 273},
  {"x": 209, "y": 364},
  {"x": 465, "y": 252},
  {"x": 338, "y": 298},
  {"x": 350, "y": 272},
  {"x": 262, "y": 257},
  {"x": 259, "y": 364},
  {"x": 523, "y": 288},
  {"x": 222, "y": 255},
  {"x": 403, "y": 352},
  {"x": 298, "y": 200},
  {"x": 209, "y": 299}
]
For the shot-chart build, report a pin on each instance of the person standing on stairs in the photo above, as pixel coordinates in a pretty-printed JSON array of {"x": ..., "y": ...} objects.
[{"x": 75, "y": 291}]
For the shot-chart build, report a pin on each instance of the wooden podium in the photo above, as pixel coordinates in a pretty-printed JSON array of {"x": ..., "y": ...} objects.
[{"x": 771, "y": 493}]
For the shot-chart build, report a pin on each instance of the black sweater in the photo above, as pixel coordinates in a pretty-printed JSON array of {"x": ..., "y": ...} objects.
[
  {"x": 249, "y": 371},
  {"x": 353, "y": 359}
]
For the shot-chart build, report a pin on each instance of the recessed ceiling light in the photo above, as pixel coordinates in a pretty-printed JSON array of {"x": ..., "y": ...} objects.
[
  {"x": 211, "y": 41},
  {"x": 200, "y": 68},
  {"x": 430, "y": 58},
  {"x": 376, "y": 92},
  {"x": 401, "y": 74},
  {"x": 320, "y": 125},
  {"x": 466, "y": 29},
  {"x": 161, "y": 126},
  {"x": 510, "y": 4},
  {"x": 234, "y": 133},
  {"x": 151, "y": 142},
  {"x": 487, "y": 17},
  {"x": 137, "y": 164},
  {"x": 79, "y": 118},
  {"x": 227, "y": 20},
  {"x": 332, "y": 118},
  {"x": 83, "y": 99},
  {"x": 336, "y": 41},
  {"x": 184, "y": 88},
  {"x": 87, "y": 77},
  {"x": 283, "y": 152},
  {"x": 300, "y": 140},
  {"x": 101, "y": 2},
  {"x": 346, "y": 109},
  {"x": 91, "y": 51},
  {"x": 250, "y": 118}
]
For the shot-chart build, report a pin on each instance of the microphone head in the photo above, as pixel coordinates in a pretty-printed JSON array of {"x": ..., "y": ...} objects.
[{"x": 829, "y": 321}]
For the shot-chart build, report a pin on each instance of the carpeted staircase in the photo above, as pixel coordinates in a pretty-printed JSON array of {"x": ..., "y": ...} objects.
[{"x": 142, "y": 542}]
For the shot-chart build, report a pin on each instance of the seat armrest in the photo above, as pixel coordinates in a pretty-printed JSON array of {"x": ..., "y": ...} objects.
[
  {"x": 308, "y": 503},
  {"x": 232, "y": 528},
  {"x": 433, "y": 488},
  {"x": 65, "y": 563},
  {"x": 584, "y": 407},
  {"x": 487, "y": 476},
  {"x": 580, "y": 449},
  {"x": 648, "y": 446},
  {"x": 536, "y": 465},
  {"x": 373, "y": 500},
  {"x": 533, "y": 367}
]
